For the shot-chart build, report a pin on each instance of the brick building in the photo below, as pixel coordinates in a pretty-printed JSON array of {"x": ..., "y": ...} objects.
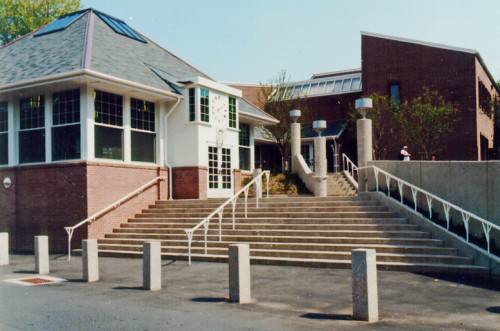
[{"x": 91, "y": 110}]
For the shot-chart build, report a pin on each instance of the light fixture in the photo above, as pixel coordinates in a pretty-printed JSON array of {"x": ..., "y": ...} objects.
[
  {"x": 319, "y": 126},
  {"x": 295, "y": 114},
  {"x": 363, "y": 105},
  {"x": 7, "y": 183}
]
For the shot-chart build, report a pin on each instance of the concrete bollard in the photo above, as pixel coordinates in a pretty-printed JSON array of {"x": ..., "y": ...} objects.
[
  {"x": 90, "y": 260},
  {"x": 364, "y": 285},
  {"x": 4, "y": 248},
  {"x": 152, "y": 265},
  {"x": 239, "y": 273},
  {"x": 42, "y": 255}
]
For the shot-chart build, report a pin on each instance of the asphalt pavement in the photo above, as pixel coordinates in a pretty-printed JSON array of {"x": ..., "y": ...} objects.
[{"x": 195, "y": 298}]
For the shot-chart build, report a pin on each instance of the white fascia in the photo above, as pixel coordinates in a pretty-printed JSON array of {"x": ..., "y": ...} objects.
[{"x": 203, "y": 82}]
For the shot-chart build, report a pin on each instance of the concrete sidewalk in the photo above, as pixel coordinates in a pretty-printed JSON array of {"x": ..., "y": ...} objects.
[{"x": 195, "y": 298}]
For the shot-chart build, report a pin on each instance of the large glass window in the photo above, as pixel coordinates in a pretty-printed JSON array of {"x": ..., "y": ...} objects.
[
  {"x": 143, "y": 130},
  {"x": 32, "y": 130},
  {"x": 204, "y": 106},
  {"x": 244, "y": 138},
  {"x": 4, "y": 133},
  {"x": 109, "y": 125},
  {"x": 66, "y": 125},
  {"x": 192, "y": 105},
  {"x": 232, "y": 112}
]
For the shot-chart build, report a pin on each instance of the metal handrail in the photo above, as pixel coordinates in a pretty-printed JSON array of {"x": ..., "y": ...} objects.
[
  {"x": 114, "y": 205},
  {"x": 219, "y": 211},
  {"x": 348, "y": 165},
  {"x": 447, "y": 206}
]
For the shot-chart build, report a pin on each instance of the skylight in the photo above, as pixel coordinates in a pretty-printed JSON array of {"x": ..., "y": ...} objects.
[
  {"x": 324, "y": 86},
  {"x": 59, "y": 24},
  {"x": 121, "y": 27}
]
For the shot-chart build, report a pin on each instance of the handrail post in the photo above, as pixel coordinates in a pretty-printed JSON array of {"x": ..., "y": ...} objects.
[{"x": 69, "y": 230}]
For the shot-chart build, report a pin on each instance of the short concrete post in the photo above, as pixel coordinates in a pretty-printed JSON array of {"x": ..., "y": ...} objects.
[
  {"x": 4, "y": 248},
  {"x": 257, "y": 186},
  {"x": 364, "y": 285},
  {"x": 42, "y": 255},
  {"x": 239, "y": 273},
  {"x": 90, "y": 260},
  {"x": 152, "y": 265}
]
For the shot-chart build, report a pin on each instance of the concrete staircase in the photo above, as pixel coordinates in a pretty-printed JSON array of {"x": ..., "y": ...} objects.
[
  {"x": 300, "y": 231},
  {"x": 338, "y": 185}
]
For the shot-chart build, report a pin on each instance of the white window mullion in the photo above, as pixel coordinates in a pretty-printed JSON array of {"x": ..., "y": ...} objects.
[
  {"x": 48, "y": 128},
  {"x": 127, "y": 139},
  {"x": 160, "y": 132},
  {"x": 86, "y": 123}
]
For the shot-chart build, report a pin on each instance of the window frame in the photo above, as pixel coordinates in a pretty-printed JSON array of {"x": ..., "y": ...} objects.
[
  {"x": 232, "y": 112},
  {"x": 120, "y": 128},
  {"x": 148, "y": 126},
  {"x": 245, "y": 145},
  {"x": 204, "y": 105},
  {"x": 26, "y": 130},
  {"x": 73, "y": 122},
  {"x": 4, "y": 130}
]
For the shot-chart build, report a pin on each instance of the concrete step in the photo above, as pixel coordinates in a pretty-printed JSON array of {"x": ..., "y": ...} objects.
[
  {"x": 268, "y": 203},
  {"x": 271, "y": 210},
  {"x": 274, "y": 220},
  {"x": 301, "y": 214}
]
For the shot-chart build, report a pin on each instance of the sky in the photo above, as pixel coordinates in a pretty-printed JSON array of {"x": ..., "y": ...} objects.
[{"x": 251, "y": 41}]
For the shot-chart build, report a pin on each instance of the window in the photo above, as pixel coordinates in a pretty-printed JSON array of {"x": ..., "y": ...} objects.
[
  {"x": 306, "y": 154},
  {"x": 120, "y": 27},
  {"x": 244, "y": 139},
  {"x": 204, "y": 106},
  {"x": 4, "y": 133},
  {"x": 143, "y": 130},
  {"x": 232, "y": 112},
  {"x": 60, "y": 24},
  {"x": 66, "y": 125},
  {"x": 394, "y": 95},
  {"x": 109, "y": 125},
  {"x": 484, "y": 97},
  {"x": 32, "y": 130},
  {"x": 192, "y": 105}
]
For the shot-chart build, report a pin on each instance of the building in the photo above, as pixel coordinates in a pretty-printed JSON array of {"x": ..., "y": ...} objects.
[
  {"x": 90, "y": 110},
  {"x": 400, "y": 68}
]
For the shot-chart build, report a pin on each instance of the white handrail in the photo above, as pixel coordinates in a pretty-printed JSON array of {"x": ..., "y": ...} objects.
[
  {"x": 206, "y": 222},
  {"x": 466, "y": 215},
  {"x": 348, "y": 165},
  {"x": 114, "y": 205}
]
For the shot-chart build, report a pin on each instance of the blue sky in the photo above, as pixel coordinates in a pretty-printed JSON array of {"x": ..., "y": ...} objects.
[{"x": 251, "y": 41}]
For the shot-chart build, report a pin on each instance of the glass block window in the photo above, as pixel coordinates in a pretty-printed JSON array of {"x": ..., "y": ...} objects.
[
  {"x": 66, "y": 139},
  {"x": 204, "y": 105},
  {"x": 143, "y": 131},
  {"x": 192, "y": 105},
  {"x": 108, "y": 133},
  {"x": 32, "y": 129},
  {"x": 108, "y": 108},
  {"x": 4, "y": 133},
  {"x": 232, "y": 112}
]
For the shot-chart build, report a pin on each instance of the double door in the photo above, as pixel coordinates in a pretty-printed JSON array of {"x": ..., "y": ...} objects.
[{"x": 220, "y": 177}]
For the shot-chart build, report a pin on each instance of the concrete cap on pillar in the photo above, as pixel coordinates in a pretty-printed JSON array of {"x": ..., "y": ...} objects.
[
  {"x": 362, "y": 105},
  {"x": 295, "y": 114},
  {"x": 319, "y": 126}
]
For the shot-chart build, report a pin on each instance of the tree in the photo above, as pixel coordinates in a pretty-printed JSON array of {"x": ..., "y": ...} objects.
[
  {"x": 278, "y": 99},
  {"x": 385, "y": 126},
  {"x": 19, "y": 17},
  {"x": 426, "y": 120}
]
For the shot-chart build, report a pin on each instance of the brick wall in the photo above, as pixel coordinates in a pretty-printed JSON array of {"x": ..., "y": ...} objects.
[
  {"x": 48, "y": 198},
  {"x": 412, "y": 66},
  {"x": 108, "y": 183},
  {"x": 8, "y": 204},
  {"x": 189, "y": 182}
]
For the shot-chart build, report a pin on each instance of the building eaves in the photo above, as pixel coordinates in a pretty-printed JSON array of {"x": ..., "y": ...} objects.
[{"x": 249, "y": 110}]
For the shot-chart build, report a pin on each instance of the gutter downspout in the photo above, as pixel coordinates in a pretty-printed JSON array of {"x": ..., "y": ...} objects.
[{"x": 166, "y": 148}]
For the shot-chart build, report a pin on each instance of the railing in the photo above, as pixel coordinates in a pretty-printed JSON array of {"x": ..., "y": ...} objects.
[
  {"x": 447, "y": 207},
  {"x": 219, "y": 211},
  {"x": 349, "y": 166},
  {"x": 114, "y": 205}
]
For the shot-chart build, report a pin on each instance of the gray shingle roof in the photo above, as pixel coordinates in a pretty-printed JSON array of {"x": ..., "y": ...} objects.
[{"x": 249, "y": 109}]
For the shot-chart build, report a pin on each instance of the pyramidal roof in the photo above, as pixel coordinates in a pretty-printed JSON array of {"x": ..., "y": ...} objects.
[{"x": 94, "y": 41}]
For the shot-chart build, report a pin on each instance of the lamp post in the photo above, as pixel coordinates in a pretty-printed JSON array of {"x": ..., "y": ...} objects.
[{"x": 364, "y": 137}]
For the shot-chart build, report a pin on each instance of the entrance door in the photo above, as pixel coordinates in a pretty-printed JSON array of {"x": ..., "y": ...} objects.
[{"x": 219, "y": 173}]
